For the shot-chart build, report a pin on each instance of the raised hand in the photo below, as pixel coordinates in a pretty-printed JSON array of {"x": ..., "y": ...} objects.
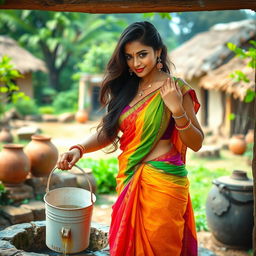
[{"x": 172, "y": 95}]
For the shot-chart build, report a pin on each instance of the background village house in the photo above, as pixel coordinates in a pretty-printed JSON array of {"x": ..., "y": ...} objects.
[
  {"x": 206, "y": 63},
  {"x": 23, "y": 61}
]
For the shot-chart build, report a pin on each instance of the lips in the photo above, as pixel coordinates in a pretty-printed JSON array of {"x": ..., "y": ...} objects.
[{"x": 139, "y": 70}]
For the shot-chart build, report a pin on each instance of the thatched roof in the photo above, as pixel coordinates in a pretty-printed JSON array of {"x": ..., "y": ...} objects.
[
  {"x": 21, "y": 59},
  {"x": 207, "y": 51},
  {"x": 219, "y": 79}
]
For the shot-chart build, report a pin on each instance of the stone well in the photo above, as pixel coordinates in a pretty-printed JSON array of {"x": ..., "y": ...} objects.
[{"x": 28, "y": 239}]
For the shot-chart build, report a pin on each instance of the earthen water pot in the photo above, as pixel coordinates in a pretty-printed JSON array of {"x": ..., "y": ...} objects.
[
  {"x": 81, "y": 116},
  {"x": 43, "y": 155},
  {"x": 249, "y": 137},
  {"x": 237, "y": 144},
  {"x": 6, "y": 136},
  {"x": 14, "y": 164}
]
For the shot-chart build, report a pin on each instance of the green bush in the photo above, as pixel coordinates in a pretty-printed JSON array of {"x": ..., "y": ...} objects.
[
  {"x": 104, "y": 171},
  {"x": 66, "y": 101},
  {"x": 46, "y": 110},
  {"x": 26, "y": 107}
]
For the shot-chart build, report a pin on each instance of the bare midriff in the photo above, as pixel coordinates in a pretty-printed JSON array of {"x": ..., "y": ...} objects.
[{"x": 162, "y": 147}]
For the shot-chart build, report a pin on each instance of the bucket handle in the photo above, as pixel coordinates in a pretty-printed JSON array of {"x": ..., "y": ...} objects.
[{"x": 50, "y": 175}]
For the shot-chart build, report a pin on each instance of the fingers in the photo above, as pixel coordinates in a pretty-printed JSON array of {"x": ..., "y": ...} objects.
[{"x": 63, "y": 163}]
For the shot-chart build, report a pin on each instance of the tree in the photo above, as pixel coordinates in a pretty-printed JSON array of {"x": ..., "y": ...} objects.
[{"x": 57, "y": 37}]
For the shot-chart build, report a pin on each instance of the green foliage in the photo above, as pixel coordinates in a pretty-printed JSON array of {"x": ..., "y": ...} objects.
[
  {"x": 200, "y": 184},
  {"x": 26, "y": 107},
  {"x": 66, "y": 101},
  {"x": 46, "y": 110},
  {"x": 95, "y": 60},
  {"x": 4, "y": 200},
  {"x": 238, "y": 75},
  {"x": 249, "y": 151},
  {"x": 9, "y": 91},
  {"x": 163, "y": 15},
  {"x": 104, "y": 170}
]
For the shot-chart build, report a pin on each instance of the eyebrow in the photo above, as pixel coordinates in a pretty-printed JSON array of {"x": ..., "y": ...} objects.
[{"x": 137, "y": 52}]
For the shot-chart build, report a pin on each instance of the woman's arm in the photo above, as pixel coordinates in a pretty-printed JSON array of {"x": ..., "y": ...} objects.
[
  {"x": 93, "y": 143},
  {"x": 193, "y": 136},
  {"x": 182, "y": 109}
]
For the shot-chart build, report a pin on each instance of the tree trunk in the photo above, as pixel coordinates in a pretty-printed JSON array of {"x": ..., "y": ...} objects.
[{"x": 54, "y": 79}]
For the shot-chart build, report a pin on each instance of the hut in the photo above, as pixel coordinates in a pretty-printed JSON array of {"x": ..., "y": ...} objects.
[
  {"x": 206, "y": 63},
  {"x": 23, "y": 61}
]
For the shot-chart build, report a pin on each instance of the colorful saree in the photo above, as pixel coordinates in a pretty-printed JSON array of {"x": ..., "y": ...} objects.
[{"x": 153, "y": 215}]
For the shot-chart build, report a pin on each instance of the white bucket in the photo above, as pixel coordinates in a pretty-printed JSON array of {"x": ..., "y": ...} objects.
[{"x": 68, "y": 217}]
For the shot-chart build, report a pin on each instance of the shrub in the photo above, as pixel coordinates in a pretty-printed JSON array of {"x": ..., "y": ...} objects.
[
  {"x": 104, "y": 171},
  {"x": 66, "y": 101},
  {"x": 26, "y": 107},
  {"x": 46, "y": 110}
]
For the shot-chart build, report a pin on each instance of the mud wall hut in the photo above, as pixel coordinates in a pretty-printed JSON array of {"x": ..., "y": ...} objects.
[
  {"x": 206, "y": 62},
  {"x": 23, "y": 61}
]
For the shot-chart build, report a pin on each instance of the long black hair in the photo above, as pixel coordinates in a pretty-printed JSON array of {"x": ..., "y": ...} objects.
[{"x": 119, "y": 87}]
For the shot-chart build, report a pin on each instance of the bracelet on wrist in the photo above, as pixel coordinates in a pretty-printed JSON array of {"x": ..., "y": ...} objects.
[
  {"x": 181, "y": 116},
  {"x": 185, "y": 127},
  {"x": 79, "y": 147}
]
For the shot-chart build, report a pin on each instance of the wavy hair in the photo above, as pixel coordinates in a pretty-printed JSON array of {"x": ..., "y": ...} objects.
[{"x": 119, "y": 87}]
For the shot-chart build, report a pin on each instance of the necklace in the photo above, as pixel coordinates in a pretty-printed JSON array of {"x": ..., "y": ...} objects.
[{"x": 141, "y": 92}]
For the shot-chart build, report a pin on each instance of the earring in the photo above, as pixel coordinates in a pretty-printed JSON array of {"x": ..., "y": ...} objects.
[
  {"x": 159, "y": 64},
  {"x": 130, "y": 71}
]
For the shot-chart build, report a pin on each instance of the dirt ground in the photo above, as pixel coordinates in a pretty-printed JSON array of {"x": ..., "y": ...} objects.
[{"x": 64, "y": 135}]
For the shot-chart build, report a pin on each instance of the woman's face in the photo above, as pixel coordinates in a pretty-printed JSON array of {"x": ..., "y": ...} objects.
[{"x": 140, "y": 58}]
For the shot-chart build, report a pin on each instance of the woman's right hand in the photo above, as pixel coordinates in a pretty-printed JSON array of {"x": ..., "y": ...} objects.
[{"x": 68, "y": 159}]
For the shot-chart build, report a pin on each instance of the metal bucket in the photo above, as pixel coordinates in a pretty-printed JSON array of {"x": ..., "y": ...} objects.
[{"x": 68, "y": 217}]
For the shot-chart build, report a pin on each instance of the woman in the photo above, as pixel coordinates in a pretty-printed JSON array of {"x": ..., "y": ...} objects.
[{"x": 154, "y": 113}]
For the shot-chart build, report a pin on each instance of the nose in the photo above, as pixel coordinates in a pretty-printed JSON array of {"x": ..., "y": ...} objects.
[{"x": 136, "y": 62}]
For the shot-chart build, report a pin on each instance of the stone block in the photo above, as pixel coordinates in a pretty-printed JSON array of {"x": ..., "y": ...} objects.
[
  {"x": 4, "y": 223},
  {"x": 49, "y": 118},
  {"x": 38, "y": 184},
  {"x": 37, "y": 208},
  {"x": 25, "y": 133},
  {"x": 98, "y": 236},
  {"x": 63, "y": 179},
  {"x": 66, "y": 117},
  {"x": 17, "y": 214},
  {"x": 19, "y": 192}
]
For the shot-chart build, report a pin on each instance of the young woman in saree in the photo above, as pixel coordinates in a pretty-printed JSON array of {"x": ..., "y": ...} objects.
[{"x": 152, "y": 115}]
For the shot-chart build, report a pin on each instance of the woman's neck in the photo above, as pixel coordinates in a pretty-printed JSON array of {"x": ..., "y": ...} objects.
[{"x": 152, "y": 77}]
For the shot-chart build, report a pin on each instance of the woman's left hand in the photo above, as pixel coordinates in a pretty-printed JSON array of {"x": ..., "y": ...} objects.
[{"x": 172, "y": 95}]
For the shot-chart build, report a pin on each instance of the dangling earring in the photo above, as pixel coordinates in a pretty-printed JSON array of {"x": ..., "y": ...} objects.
[
  {"x": 159, "y": 64},
  {"x": 130, "y": 71}
]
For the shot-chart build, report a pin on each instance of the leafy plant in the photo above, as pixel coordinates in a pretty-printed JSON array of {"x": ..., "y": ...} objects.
[
  {"x": 46, "y": 110},
  {"x": 26, "y": 107},
  {"x": 9, "y": 91},
  {"x": 95, "y": 60},
  {"x": 66, "y": 101},
  {"x": 104, "y": 171}
]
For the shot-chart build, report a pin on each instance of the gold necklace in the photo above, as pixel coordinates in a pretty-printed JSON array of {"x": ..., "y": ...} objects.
[{"x": 141, "y": 92}]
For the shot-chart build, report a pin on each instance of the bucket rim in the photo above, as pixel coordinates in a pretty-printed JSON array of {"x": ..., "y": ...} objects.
[{"x": 93, "y": 196}]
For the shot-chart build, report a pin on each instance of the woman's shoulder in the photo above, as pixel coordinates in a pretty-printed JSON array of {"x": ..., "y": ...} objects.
[{"x": 184, "y": 85}]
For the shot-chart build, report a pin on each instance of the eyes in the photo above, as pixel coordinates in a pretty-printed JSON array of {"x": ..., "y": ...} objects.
[{"x": 141, "y": 56}]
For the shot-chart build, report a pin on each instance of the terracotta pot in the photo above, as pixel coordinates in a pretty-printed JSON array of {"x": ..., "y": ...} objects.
[
  {"x": 14, "y": 164},
  {"x": 237, "y": 144},
  {"x": 6, "y": 136},
  {"x": 82, "y": 182},
  {"x": 249, "y": 137},
  {"x": 43, "y": 155},
  {"x": 81, "y": 116}
]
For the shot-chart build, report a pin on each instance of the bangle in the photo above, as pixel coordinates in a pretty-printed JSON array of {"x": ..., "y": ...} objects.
[
  {"x": 79, "y": 147},
  {"x": 185, "y": 127},
  {"x": 178, "y": 117}
]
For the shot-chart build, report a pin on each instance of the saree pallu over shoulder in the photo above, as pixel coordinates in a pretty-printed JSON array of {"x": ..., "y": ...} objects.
[{"x": 153, "y": 214}]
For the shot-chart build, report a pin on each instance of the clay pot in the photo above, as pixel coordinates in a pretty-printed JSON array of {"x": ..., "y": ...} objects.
[
  {"x": 43, "y": 155},
  {"x": 81, "y": 180},
  {"x": 81, "y": 116},
  {"x": 14, "y": 164},
  {"x": 237, "y": 144},
  {"x": 6, "y": 136},
  {"x": 249, "y": 137}
]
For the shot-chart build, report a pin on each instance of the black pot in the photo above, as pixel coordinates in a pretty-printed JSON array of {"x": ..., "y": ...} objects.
[{"x": 229, "y": 210}]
